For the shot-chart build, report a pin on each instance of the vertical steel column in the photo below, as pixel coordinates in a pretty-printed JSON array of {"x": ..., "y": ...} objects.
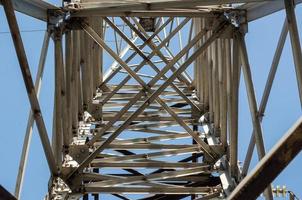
[
  {"x": 205, "y": 69},
  {"x": 222, "y": 93},
  {"x": 97, "y": 77},
  {"x": 79, "y": 76},
  {"x": 90, "y": 62},
  {"x": 216, "y": 88},
  {"x": 84, "y": 70},
  {"x": 196, "y": 75},
  {"x": 295, "y": 42},
  {"x": 35, "y": 106},
  {"x": 97, "y": 58},
  {"x": 88, "y": 90},
  {"x": 199, "y": 64},
  {"x": 234, "y": 108},
  {"x": 68, "y": 91},
  {"x": 210, "y": 78},
  {"x": 75, "y": 82},
  {"x": 58, "y": 104},
  {"x": 229, "y": 81},
  {"x": 203, "y": 63}
]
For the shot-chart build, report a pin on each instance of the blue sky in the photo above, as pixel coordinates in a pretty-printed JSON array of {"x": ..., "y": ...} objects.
[{"x": 282, "y": 111}]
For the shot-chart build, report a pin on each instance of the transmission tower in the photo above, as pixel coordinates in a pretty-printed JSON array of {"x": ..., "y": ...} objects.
[{"x": 146, "y": 98}]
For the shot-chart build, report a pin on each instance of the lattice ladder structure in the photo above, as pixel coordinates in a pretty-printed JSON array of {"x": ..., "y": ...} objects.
[{"x": 162, "y": 121}]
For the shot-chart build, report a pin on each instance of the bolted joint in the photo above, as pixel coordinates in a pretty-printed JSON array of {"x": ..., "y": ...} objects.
[
  {"x": 74, "y": 23},
  {"x": 205, "y": 119},
  {"x": 145, "y": 91},
  {"x": 259, "y": 115},
  {"x": 55, "y": 18},
  {"x": 237, "y": 17},
  {"x": 58, "y": 189},
  {"x": 148, "y": 23},
  {"x": 57, "y": 34},
  {"x": 66, "y": 149},
  {"x": 37, "y": 113},
  {"x": 217, "y": 131},
  {"x": 72, "y": 5}
]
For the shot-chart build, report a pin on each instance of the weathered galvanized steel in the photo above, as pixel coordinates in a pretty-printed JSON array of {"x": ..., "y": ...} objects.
[{"x": 162, "y": 119}]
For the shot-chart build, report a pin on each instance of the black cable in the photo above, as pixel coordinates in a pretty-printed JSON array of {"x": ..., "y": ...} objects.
[{"x": 24, "y": 31}]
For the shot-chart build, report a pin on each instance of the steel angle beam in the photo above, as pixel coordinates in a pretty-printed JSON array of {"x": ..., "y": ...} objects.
[
  {"x": 27, "y": 78},
  {"x": 34, "y": 8},
  {"x": 5, "y": 195},
  {"x": 100, "y": 7},
  {"x": 146, "y": 165},
  {"x": 258, "y": 10},
  {"x": 30, "y": 122},
  {"x": 182, "y": 176},
  {"x": 176, "y": 8},
  {"x": 279, "y": 157},
  {"x": 153, "y": 154},
  {"x": 266, "y": 93},
  {"x": 151, "y": 177},
  {"x": 167, "y": 136},
  {"x": 142, "y": 13},
  {"x": 150, "y": 190},
  {"x": 147, "y": 146}
]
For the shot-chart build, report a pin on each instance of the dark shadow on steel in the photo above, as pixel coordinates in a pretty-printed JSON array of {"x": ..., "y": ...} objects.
[{"x": 5, "y": 195}]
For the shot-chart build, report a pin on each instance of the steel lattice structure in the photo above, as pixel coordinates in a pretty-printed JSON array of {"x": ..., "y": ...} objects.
[{"x": 146, "y": 124}]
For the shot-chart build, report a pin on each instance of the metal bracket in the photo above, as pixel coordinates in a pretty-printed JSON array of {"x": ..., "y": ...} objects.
[
  {"x": 55, "y": 18},
  {"x": 78, "y": 152},
  {"x": 239, "y": 19},
  {"x": 59, "y": 190}
]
